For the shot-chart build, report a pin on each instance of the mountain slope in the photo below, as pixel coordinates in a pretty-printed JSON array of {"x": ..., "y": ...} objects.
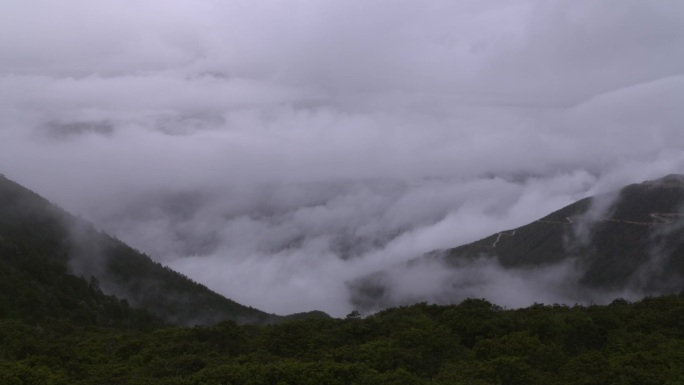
[
  {"x": 630, "y": 239},
  {"x": 38, "y": 237},
  {"x": 612, "y": 236}
]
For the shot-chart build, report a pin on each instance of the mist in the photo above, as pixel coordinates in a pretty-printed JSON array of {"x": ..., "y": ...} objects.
[
  {"x": 482, "y": 277},
  {"x": 275, "y": 151}
]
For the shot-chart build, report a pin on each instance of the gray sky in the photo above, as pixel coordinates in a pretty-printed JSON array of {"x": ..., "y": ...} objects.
[{"x": 273, "y": 150}]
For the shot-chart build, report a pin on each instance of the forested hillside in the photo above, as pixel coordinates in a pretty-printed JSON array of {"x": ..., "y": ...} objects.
[
  {"x": 627, "y": 241},
  {"x": 636, "y": 236},
  {"x": 471, "y": 343},
  {"x": 42, "y": 247},
  {"x": 59, "y": 328}
]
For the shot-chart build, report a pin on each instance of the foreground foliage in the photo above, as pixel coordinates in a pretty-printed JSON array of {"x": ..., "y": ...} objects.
[{"x": 471, "y": 343}]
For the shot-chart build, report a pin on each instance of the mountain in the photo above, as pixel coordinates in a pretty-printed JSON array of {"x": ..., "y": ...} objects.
[
  {"x": 613, "y": 236},
  {"x": 48, "y": 255},
  {"x": 57, "y": 327},
  {"x": 632, "y": 239}
]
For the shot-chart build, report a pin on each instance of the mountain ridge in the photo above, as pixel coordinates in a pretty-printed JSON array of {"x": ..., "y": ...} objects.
[
  {"x": 44, "y": 232},
  {"x": 628, "y": 239}
]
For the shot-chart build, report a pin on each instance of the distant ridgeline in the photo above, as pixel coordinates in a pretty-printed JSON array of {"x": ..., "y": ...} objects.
[
  {"x": 639, "y": 232},
  {"x": 631, "y": 239},
  {"x": 44, "y": 250}
]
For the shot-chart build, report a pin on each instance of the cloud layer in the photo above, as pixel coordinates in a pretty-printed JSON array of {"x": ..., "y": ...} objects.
[{"x": 275, "y": 150}]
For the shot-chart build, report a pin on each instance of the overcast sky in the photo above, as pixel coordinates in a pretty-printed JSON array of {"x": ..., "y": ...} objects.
[{"x": 274, "y": 150}]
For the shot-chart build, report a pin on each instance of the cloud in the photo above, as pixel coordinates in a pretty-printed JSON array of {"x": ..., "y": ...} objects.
[
  {"x": 275, "y": 150},
  {"x": 558, "y": 283},
  {"x": 430, "y": 280}
]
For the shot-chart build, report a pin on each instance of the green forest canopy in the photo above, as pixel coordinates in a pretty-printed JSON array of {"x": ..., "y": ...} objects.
[{"x": 474, "y": 342}]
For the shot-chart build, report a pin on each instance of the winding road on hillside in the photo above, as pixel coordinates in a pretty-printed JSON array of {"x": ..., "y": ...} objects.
[
  {"x": 498, "y": 238},
  {"x": 568, "y": 219},
  {"x": 658, "y": 219}
]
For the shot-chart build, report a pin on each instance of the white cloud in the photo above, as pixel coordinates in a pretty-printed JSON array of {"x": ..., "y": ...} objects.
[{"x": 251, "y": 145}]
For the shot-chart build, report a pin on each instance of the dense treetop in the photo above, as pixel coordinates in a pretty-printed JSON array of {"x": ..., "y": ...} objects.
[{"x": 471, "y": 343}]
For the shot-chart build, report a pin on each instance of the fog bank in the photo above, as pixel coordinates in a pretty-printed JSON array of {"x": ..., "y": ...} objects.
[{"x": 274, "y": 151}]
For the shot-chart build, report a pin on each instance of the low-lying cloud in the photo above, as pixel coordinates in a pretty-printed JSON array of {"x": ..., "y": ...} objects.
[{"x": 275, "y": 151}]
